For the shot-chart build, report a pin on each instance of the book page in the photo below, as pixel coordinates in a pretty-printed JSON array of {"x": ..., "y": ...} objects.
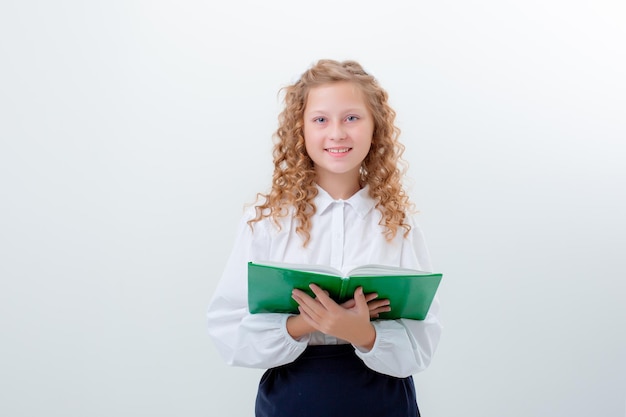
[
  {"x": 384, "y": 270},
  {"x": 320, "y": 269}
]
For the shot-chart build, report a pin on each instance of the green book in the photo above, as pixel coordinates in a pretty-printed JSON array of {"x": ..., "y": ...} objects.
[{"x": 409, "y": 291}]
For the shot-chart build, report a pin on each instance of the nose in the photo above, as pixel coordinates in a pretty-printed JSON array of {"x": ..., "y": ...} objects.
[{"x": 337, "y": 131}]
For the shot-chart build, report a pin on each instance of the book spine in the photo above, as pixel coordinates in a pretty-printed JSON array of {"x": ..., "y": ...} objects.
[{"x": 344, "y": 288}]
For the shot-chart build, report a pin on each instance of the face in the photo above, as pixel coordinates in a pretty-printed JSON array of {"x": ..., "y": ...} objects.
[{"x": 338, "y": 130}]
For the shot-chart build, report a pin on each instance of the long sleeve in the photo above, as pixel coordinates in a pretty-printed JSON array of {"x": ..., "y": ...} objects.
[
  {"x": 345, "y": 234},
  {"x": 244, "y": 339},
  {"x": 405, "y": 347}
]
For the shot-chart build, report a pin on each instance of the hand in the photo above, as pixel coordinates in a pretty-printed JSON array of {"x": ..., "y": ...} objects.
[
  {"x": 375, "y": 305},
  {"x": 349, "y": 321},
  {"x": 297, "y": 327}
]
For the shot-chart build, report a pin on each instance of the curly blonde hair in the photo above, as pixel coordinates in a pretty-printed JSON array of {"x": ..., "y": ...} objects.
[{"x": 293, "y": 181}]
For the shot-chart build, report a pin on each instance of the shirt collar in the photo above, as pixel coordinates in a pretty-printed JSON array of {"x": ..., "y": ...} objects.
[{"x": 361, "y": 201}]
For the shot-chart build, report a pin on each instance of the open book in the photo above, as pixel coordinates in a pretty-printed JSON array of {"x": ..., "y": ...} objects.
[{"x": 409, "y": 291}]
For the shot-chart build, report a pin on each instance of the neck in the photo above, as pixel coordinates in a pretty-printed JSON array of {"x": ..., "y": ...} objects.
[{"x": 339, "y": 190}]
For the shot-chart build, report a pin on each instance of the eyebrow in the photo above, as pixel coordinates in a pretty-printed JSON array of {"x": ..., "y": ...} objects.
[{"x": 350, "y": 110}]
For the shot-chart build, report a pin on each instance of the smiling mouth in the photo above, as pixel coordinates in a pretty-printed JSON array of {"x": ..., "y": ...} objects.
[{"x": 338, "y": 150}]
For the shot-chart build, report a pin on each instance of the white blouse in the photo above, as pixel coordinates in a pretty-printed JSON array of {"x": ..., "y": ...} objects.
[{"x": 344, "y": 234}]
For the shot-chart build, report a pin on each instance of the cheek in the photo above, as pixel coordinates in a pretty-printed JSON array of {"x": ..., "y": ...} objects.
[
  {"x": 309, "y": 146},
  {"x": 310, "y": 138},
  {"x": 367, "y": 135}
]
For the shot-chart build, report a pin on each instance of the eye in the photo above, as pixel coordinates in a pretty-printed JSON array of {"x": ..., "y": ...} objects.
[
  {"x": 352, "y": 118},
  {"x": 320, "y": 119}
]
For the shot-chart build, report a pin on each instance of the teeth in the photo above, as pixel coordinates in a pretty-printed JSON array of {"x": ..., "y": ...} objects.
[{"x": 344, "y": 150}]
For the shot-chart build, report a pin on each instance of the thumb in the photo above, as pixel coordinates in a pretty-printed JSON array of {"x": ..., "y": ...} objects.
[{"x": 359, "y": 299}]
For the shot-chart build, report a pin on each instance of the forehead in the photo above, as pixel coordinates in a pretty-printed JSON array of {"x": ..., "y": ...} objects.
[{"x": 334, "y": 96}]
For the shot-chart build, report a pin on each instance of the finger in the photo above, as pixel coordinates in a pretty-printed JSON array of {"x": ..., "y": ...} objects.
[
  {"x": 307, "y": 305},
  {"x": 372, "y": 305},
  {"x": 317, "y": 290},
  {"x": 359, "y": 299},
  {"x": 351, "y": 303},
  {"x": 304, "y": 299},
  {"x": 322, "y": 297},
  {"x": 301, "y": 296},
  {"x": 371, "y": 296},
  {"x": 377, "y": 311},
  {"x": 308, "y": 318},
  {"x": 305, "y": 302}
]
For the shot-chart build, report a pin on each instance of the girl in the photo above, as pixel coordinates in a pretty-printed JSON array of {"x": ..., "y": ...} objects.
[{"x": 336, "y": 199}]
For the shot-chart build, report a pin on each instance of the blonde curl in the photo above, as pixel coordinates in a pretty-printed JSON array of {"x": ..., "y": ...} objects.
[{"x": 293, "y": 181}]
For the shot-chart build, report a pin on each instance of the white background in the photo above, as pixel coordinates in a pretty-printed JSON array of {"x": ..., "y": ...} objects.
[{"x": 133, "y": 132}]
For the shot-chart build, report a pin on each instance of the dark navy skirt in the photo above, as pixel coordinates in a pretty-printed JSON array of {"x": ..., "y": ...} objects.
[{"x": 331, "y": 381}]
